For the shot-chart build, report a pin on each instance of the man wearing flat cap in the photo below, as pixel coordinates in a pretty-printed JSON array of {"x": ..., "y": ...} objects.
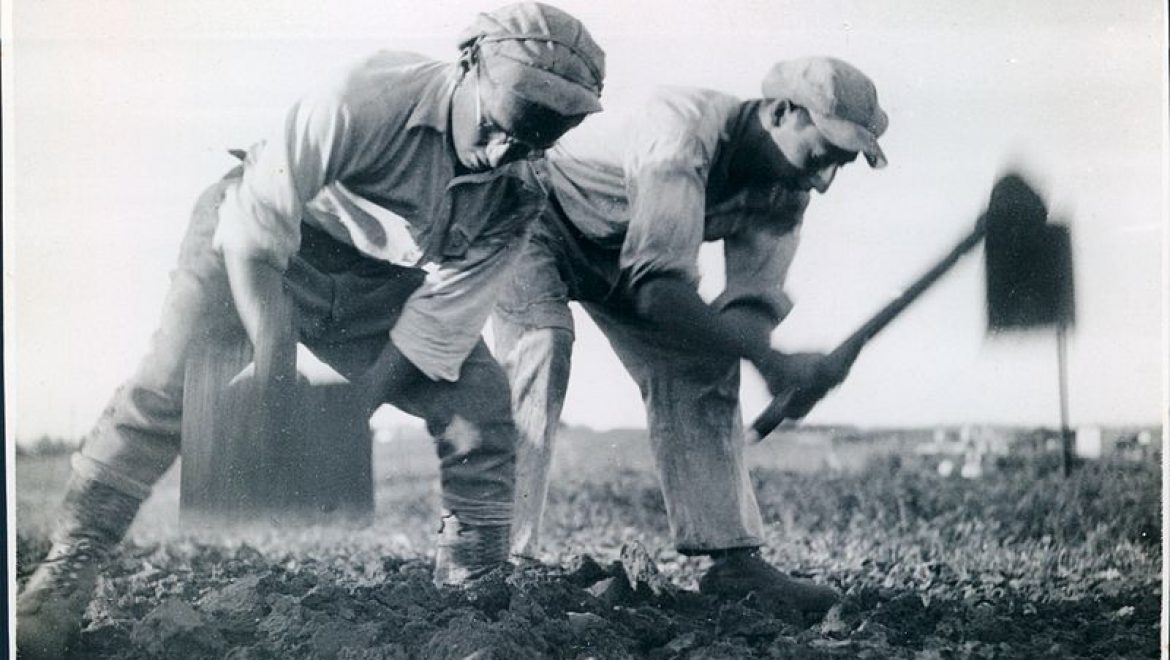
[
  {"x": 376, "y": 228},
  {"x": 633, "y": 198}
]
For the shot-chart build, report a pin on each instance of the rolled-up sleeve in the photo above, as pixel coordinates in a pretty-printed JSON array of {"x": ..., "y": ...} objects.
[
  {"x": 667, "y": 198},
  {"x": 757, "y": 258},
  {"x": 260, "y": 216},
  {"x": 756, "y": 266},
  {"x": 442, "y": 321}
]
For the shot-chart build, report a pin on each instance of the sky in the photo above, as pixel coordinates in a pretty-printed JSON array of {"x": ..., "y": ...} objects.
[{"x": 117, "y": 114}]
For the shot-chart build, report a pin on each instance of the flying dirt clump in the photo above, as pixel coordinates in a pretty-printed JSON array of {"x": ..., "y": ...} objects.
[{"x": 178, "y": 630}]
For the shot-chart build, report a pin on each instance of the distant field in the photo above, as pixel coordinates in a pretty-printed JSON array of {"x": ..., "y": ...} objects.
[
  {"x": 1020, "y": 563},
  {"x": 582, "y": 455}
]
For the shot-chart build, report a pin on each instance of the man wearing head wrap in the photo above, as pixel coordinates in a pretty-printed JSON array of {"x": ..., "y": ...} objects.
[
  {"x": 634, "y": 197},
  {"x": 321, "y": 236}
]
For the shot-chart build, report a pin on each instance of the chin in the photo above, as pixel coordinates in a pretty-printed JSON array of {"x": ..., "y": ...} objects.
[{"x": 474, "y": 165}]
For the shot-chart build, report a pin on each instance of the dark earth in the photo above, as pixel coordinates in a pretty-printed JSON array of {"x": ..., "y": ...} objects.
[{"x": 1020, "y": 564}]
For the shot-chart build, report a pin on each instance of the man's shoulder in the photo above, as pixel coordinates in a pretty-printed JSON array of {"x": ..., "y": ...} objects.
[
  {"x": 382, "y": 90},
  {"x": 694, "y": 106},
  {"x": 672, "y": 121},
  {"x": 690, "y": 97},
  {"x": 400, "y": 69}
]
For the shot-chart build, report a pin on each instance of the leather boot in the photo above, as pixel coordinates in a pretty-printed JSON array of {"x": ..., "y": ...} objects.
[
  {"x": 467, "y": 551},
  {"x": 92, "y": 521},
  {"x": 736, "y": 573}
]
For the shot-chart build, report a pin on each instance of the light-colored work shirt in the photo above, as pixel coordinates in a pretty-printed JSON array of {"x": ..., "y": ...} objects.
[
  {"x": 369, "y": 161},
  {"x": 644, "y": 182}
]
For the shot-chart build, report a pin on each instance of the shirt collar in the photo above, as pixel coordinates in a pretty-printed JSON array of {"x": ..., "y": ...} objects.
[{"x": 434, "y": 104}]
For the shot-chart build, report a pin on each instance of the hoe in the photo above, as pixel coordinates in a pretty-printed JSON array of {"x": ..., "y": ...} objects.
[{"x": 1029, "y": 285}]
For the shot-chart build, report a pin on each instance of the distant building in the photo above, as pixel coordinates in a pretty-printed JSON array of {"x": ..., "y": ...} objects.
[
  {"x": 972, "y": 450},
  {"x": 1132, "y": 443},
  {"x": 1090, "y": 442}
]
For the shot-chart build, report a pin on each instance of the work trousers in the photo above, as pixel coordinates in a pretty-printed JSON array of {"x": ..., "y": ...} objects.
[
  {"x": 346, "y": 304},
  {"x": 692, "y": 400}
]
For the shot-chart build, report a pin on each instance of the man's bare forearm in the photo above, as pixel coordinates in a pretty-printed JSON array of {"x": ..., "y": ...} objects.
[
  {"x": 740, "y": 331},
  {"x": 267, "y": 315},
  {"x": 671, "y": 302}
]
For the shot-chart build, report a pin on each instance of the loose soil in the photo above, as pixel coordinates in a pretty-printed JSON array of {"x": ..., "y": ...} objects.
[{"x": 1020, "y": 564}]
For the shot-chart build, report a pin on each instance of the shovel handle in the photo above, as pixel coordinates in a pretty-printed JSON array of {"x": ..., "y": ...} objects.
[{"x": 787, "y": 404}]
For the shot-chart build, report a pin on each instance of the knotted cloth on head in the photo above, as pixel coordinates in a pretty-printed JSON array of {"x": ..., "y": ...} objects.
[{"x": 539, "y": 53}]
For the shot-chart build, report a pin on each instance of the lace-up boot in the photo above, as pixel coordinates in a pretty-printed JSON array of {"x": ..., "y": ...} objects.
[{"x": 93, "y": 519}]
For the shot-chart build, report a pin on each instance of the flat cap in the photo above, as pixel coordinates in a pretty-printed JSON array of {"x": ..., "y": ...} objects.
[{"x": 841, "y": 100}]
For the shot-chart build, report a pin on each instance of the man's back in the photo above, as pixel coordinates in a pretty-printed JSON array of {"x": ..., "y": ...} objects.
[{"x": 596, "y": 168}]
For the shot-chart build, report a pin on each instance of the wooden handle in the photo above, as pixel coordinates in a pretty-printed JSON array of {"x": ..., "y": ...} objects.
[{"x": 783, "y": 406}]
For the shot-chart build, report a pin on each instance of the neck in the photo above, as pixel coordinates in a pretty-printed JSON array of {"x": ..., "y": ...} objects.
[
  {"x": 747, "y": 139},
  {"x": 459, "y": 116}
]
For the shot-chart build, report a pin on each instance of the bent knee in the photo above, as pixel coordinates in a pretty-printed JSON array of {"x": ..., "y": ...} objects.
[{"x": 461, "y": 439}]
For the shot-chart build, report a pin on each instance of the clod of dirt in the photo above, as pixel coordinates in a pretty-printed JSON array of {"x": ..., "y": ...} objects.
[
  {"x": 986, "y": 625},
  {"x": 721, "y": 649},
  {"x": 903, "y": 618},
  {"x": 410, "y": 587},
  {"x": 175, "y": 629},
  {"x": 612, "y": 591},
  {"x": 749, "y": 620},
  {"x": 640, "y": 569},
  {"x": 541, "y": 595},
  {"x": 583, "y": 570},
  {"x": 236, "y": 608},
  {"x": 313, "y": 633},
  {"x": 872, "y": 630},
  {"x": 599, "y": 643},
  {"x": 681, "y": 644},
  {"x": 251, "y": 653},
  {"x": 490, "y": 593},
  {"x": 387, "y": 652},
  {"x": 840, "y": 620},
  {"x": 648, "y": 625},
  {"x": 634, "y": 579},
  {"x": 467, "y": 636},
  {"x": 827, "y": 648},
  {"x": 581, "y": 622},
  {"x": 324, "y": 598}
]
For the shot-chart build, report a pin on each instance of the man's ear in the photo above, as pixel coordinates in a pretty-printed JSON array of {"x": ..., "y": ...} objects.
[
  {"x": 467, "y": 59},
  {"x": 780, "y": 107}
]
